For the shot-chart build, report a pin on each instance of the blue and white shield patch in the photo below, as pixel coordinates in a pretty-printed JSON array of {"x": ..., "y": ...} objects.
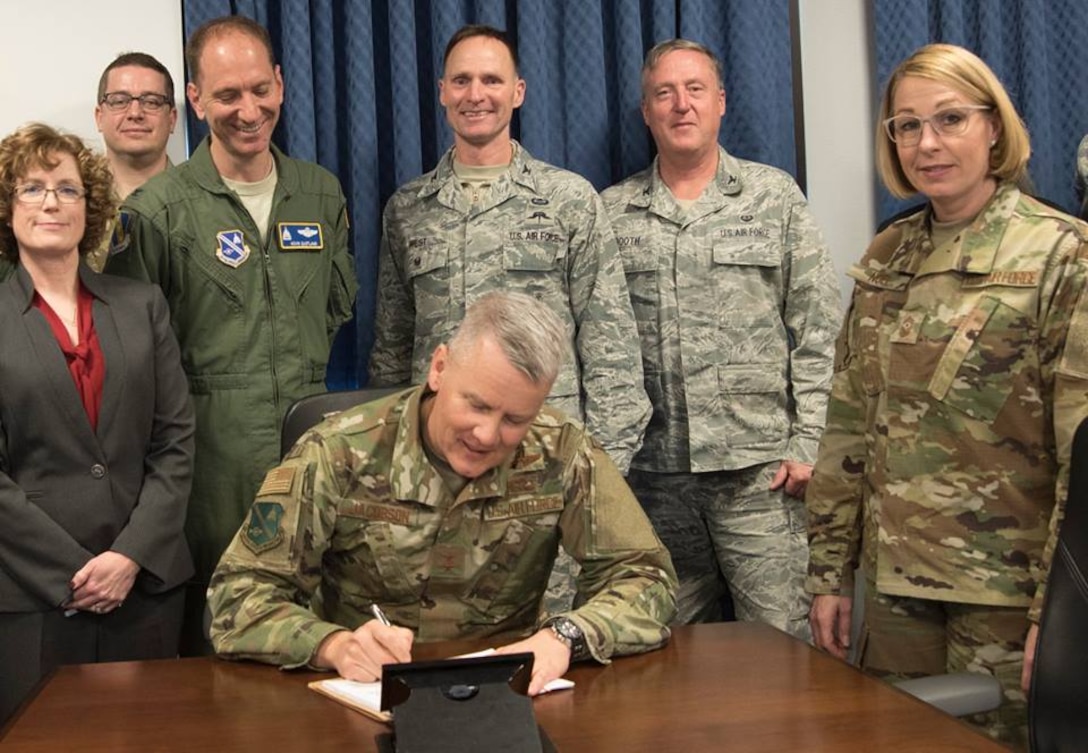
[
  {"x": 119, "y": 239},
  {"x": 232, "y": 249},
  {"x": 300, "y": 236}
]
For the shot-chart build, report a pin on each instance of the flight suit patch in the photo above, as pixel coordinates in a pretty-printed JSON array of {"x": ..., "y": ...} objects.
[
  {"x": 119, "y": 239},
  {"x": 263, "y": 529},
  {"x": 231, "y": 249},
  {"x": 300, "y": 236}
]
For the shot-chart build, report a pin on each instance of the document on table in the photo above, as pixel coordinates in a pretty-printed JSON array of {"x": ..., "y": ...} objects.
[{"x": 366, "y": 697}]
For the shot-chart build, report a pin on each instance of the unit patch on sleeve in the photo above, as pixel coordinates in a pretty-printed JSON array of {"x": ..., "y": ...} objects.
[{"x": 263, "y": 530}]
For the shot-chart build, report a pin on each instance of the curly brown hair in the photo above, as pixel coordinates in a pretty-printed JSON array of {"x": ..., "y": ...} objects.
[{"x": 36, "y": 145}]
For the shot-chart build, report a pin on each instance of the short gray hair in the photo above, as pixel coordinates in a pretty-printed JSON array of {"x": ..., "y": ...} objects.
[
  {"x": 529, "y": 333},
  {"x": 661, "y": 49}
]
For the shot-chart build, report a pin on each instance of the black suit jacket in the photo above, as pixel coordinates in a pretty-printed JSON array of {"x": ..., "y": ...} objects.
[{"x": 68, "y": 493}]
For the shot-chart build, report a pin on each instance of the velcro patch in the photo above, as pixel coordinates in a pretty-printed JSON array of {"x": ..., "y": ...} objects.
[
  {"x": 521, "y": 508},
  {"x": 1074, "y": 360},
  {"x": 278, "y": 481},
  {"x": 231, "y": 248},
  {"x": 528, "y": 461},
  {"x": 447, "y": 562},
  {"x": 396, "y": 514},
  {"x": 263, "y": 530},
  {"x": 520, "y": 483},
  {"x": 119, "y": 240},
  {"x": 1027, "y": 278},
  {"x": 300, "y": 236}
]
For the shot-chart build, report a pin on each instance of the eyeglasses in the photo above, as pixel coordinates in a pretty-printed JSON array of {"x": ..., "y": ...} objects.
[
  {"x": 35, "y": 193},
  {"x": 119, "y": 101},
  {"x": 906, "y": 130}
]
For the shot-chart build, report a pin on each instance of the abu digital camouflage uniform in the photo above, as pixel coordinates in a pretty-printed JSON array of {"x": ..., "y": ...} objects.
[
  {"x": 356, "y": 515},
  {"x": 961, "y": 375},
  {"x": 540, "y": 231},
  {"x": 737, "y": 307}
]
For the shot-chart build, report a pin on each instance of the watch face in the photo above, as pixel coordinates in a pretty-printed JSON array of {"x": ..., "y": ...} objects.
[{"x": 568, "y": 629}]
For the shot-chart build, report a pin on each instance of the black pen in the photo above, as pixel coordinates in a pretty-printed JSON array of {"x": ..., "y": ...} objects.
[{"x": 379, "y": 615}]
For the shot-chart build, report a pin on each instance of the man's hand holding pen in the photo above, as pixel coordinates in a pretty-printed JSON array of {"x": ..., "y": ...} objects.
[{"x": 359, "y": 654}]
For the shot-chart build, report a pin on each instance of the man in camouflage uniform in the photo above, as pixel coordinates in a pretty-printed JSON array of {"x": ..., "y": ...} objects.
[
  {"x": 736, "y": 305},
  {"x": 445, "y": 505},
  {"x": 491, "y": 217}
]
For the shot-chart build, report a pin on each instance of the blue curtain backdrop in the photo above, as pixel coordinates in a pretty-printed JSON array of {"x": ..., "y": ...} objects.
[
  {"x": 362, "y": 98},
  {"x": 1036, "y": 48}
]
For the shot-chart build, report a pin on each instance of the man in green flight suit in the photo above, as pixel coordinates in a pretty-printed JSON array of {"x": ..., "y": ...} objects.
[{"x": 251, "y": 249}]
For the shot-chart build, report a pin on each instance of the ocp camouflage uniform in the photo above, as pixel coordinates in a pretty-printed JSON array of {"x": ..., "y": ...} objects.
[
  {"x": 737, "y": 305},
  {"x": 541, "y": 231},
  {"x": 961, "y": 375},
  {"x": 356, "y": 515}
]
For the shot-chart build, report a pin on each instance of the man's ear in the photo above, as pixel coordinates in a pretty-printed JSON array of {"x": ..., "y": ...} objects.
[
  {"x": 194, "y": 99},
  {"x": 440, "y": 360}
]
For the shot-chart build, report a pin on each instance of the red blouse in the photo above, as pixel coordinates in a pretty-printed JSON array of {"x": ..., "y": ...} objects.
[{"x": 86, "y": 363}]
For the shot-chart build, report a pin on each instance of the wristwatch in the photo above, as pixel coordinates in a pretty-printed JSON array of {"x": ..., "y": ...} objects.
[{"x": 570, "y": 635}]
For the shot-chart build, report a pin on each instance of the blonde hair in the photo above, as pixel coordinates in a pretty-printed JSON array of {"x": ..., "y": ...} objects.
[
  {"x": 966, "y": 73},
  {"x": 36, "y": 145}
]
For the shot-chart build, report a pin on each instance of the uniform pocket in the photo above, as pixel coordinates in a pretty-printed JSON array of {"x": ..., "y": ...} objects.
[
  {"x": 363, "y": 559},
  {"x": 754, "y": 397},
  {"x": 427, "y": 268},
  {"x": 522, "y": 549},
  {"x": 973, "y": 374}
]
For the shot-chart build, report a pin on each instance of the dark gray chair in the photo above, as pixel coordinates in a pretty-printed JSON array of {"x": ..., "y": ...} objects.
[
  {"x": 958, "y": 693},
  {"x": 308, "y": 412},
  {"x": 312, "y": 410},
  {"x": 1058, "y": 700}
]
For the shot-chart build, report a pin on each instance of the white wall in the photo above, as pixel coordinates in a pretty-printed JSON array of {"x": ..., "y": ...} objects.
[
  {"x": 839, "y": 111},
  {"x": 52, "y": 53}
]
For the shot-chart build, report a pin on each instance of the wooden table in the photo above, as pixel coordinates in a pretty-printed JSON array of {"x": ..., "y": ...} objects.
[{"x": 723, "y": 687}]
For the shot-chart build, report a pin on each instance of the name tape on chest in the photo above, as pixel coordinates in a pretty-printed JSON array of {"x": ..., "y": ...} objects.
[
  {"x": 300, "y": 236},
  {"x": 520, "y": 508}
]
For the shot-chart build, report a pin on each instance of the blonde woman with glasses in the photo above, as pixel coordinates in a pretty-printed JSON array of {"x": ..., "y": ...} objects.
[{"x": 961, "y": 375}]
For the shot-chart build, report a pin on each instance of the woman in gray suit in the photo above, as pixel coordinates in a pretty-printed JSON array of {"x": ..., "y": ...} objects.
[{"x": 96, "y": 431}]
